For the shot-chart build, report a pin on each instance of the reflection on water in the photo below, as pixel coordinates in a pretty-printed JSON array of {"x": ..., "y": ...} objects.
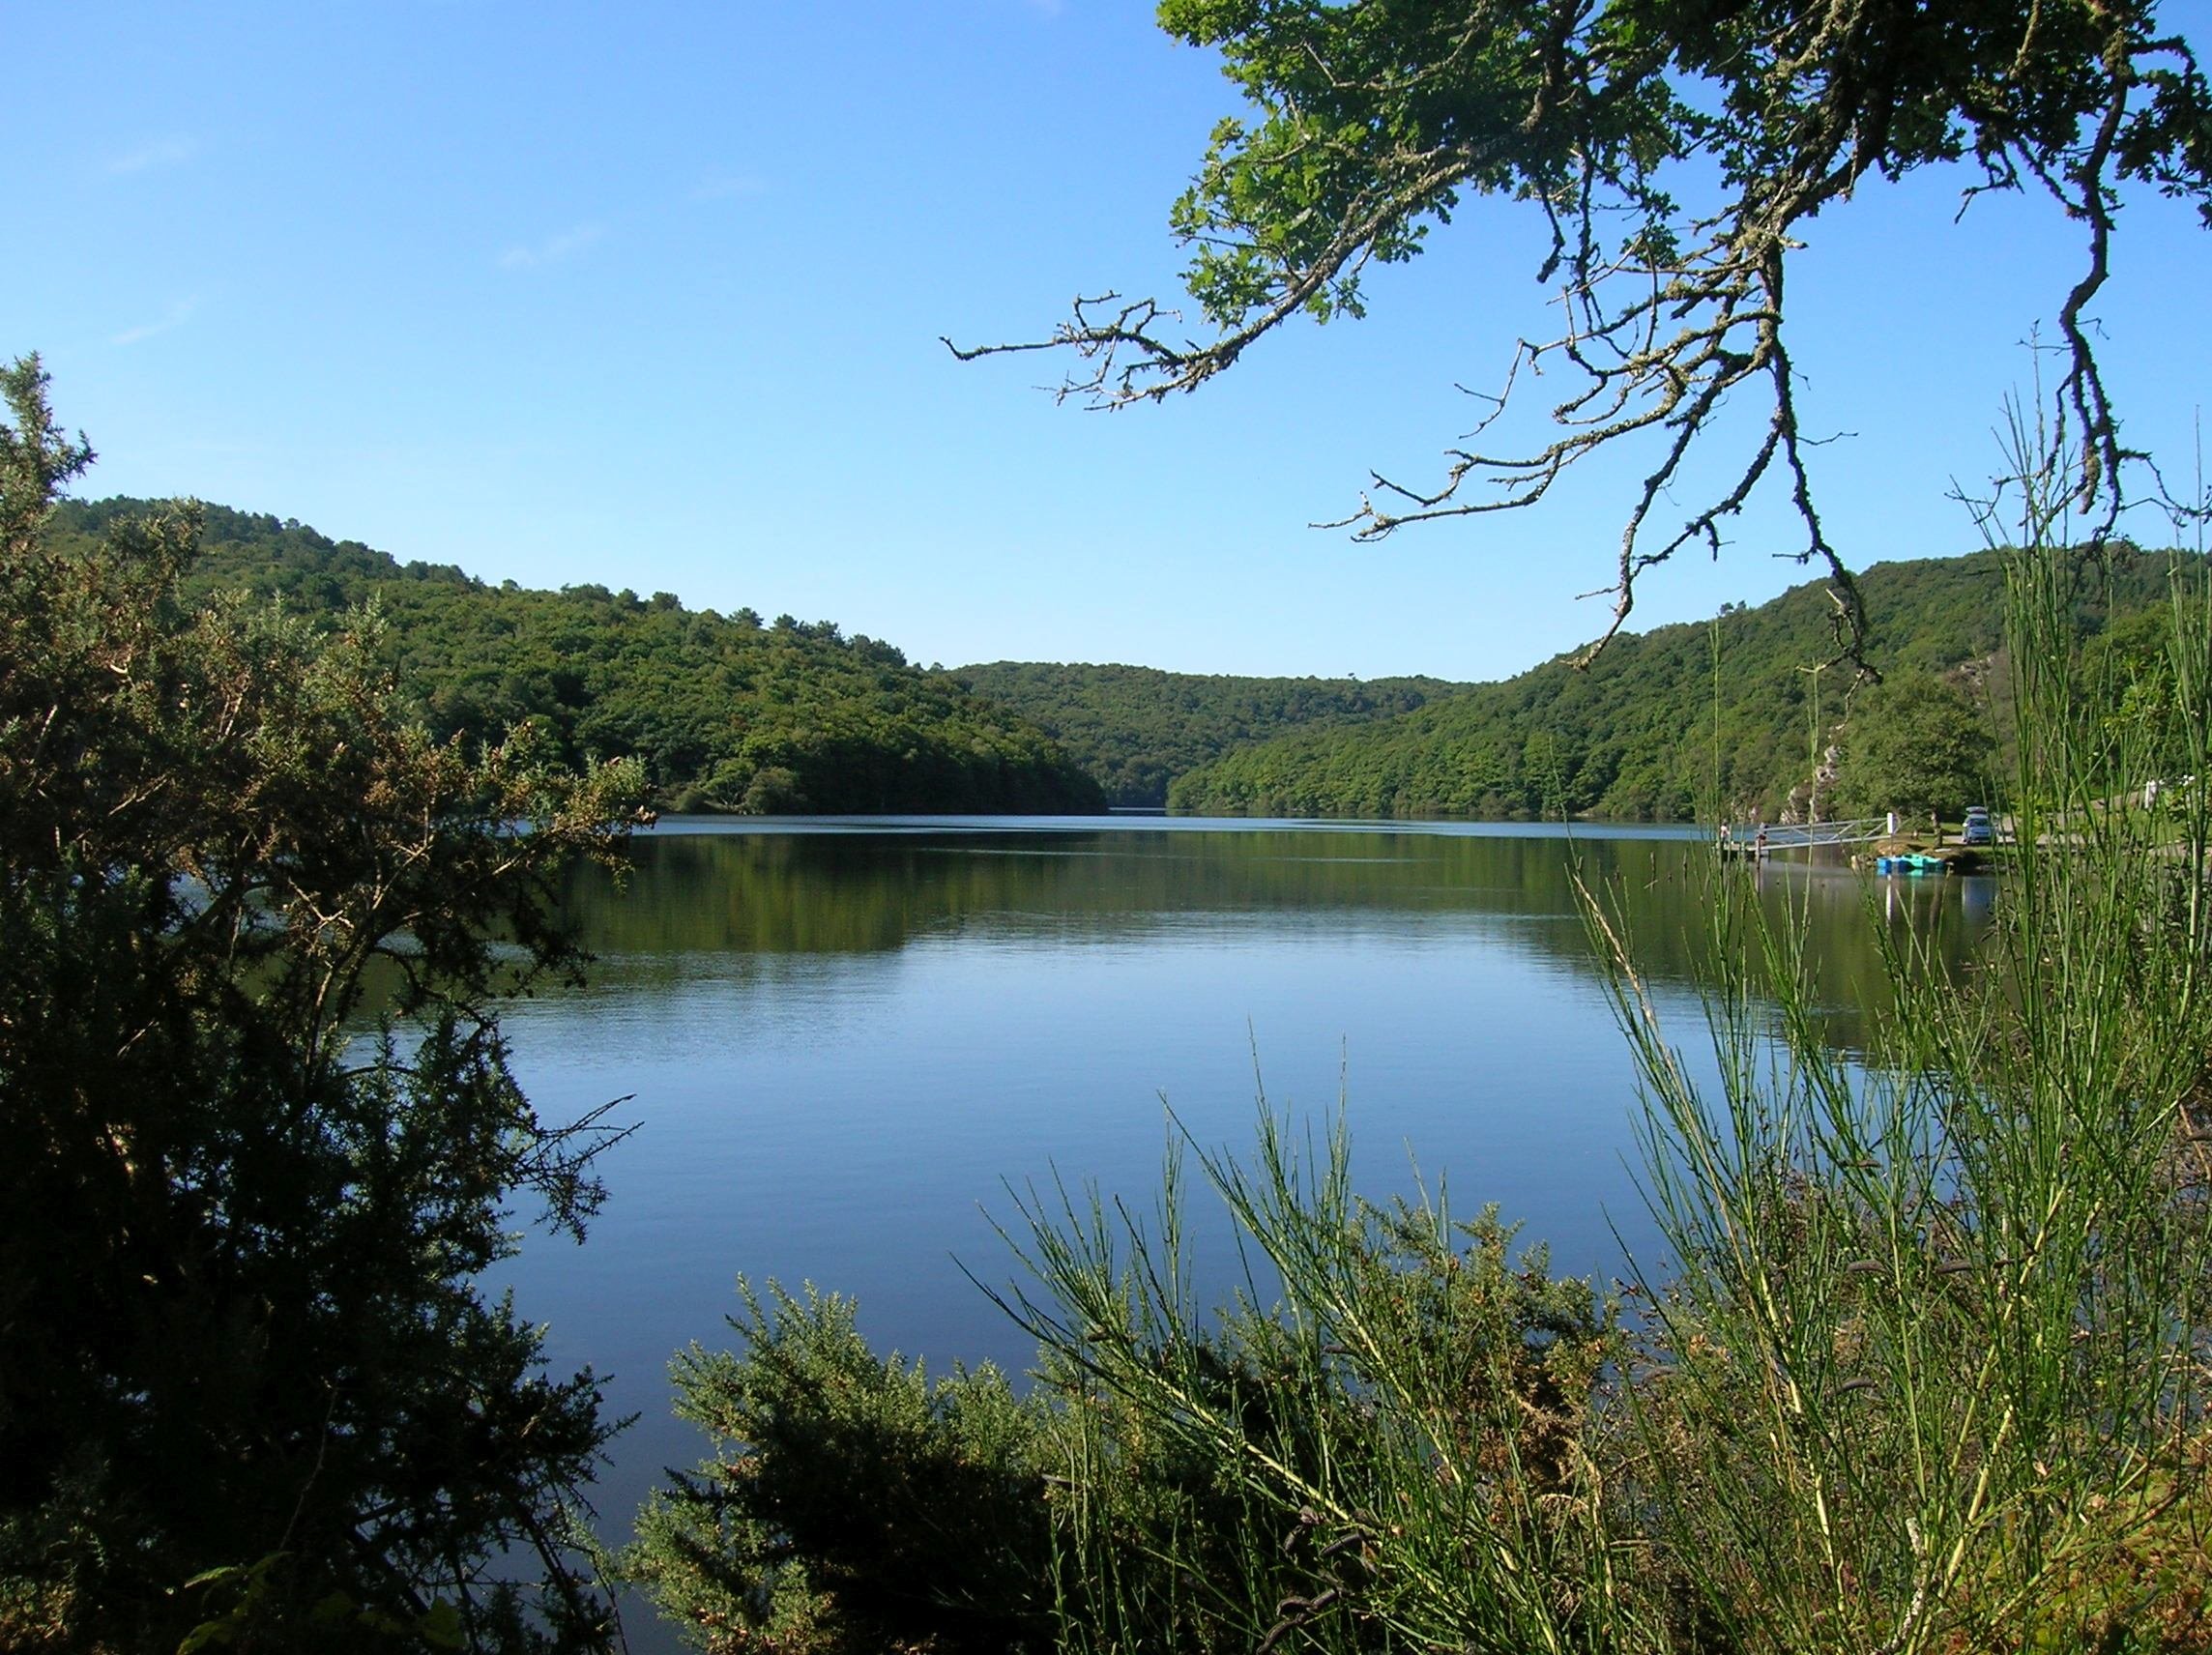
[
  {"x": 842, "y": 1038},
  {"x": 836, "y": 889}
]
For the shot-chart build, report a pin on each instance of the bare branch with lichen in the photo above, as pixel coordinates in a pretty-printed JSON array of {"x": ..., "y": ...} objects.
[{"x": 1372, "y": 123}]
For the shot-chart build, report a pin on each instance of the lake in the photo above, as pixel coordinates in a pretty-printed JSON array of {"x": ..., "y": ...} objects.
[{"x": 844, "y": 1040}]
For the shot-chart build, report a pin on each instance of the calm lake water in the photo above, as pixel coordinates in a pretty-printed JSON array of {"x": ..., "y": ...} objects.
[{"x": 844, "y": 1040}]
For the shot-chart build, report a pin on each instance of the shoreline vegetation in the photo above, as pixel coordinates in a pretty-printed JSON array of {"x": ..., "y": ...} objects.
[
  {"x": 731, "y": 714},
  {"x": 728, "y": 713},
  {"x": 251, "y": 1391},
  {"x": 1925, "y": 1369},
  {"x": 1921, "y": 1363}
]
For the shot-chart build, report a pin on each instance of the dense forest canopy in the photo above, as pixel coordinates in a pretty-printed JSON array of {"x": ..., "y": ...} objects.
[
  {"x": 724, "y": 712},
  {"x": 1136, "y": 729},
  {"x": 1664, "y": 722},
  {"x": 732, "y": 712}
]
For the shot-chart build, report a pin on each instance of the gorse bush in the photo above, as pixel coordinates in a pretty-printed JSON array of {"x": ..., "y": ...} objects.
[
  {"x": 249, "y": 1391},
  {"x": 1926, "y": 1372},
  {"x": 1164, "y": 1483},
  {"x": 852, "y": 1504}
]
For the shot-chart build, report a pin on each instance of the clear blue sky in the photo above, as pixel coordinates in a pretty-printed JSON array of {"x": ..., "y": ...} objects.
[{"x": 650, "y": 295}]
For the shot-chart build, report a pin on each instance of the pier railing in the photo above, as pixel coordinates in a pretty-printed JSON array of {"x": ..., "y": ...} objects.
[{"x": 1746, "y": 838}]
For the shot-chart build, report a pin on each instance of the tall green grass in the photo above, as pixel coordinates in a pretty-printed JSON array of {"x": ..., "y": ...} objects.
[{"x": 1924, "y": 1368}]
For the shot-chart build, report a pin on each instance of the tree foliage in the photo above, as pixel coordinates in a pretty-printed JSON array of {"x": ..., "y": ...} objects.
[
  {"x": 1136, "y": 729},
  {"x": 1917, "y": 744},
  {"x": 1664, "y": 721},
  {"x": 1676, "y": 150},
  {"x": 723, "y": 712},
  {"x": 261, "y": 1132}
]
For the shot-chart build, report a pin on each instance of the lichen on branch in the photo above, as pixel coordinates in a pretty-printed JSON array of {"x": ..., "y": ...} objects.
[{"x": 1675, "y": 151}]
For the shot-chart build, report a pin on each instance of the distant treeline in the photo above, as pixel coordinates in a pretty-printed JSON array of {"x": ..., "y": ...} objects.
[
  {"x": 725, "y": 711},
  {"x": 1665, "y": 721},
  {"x": 1137, "y": 728},
  {"x": 731, "y": 712}
]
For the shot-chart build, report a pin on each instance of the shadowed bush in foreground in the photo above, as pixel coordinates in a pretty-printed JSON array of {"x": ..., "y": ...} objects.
[{"x": 250, "y": 1392}]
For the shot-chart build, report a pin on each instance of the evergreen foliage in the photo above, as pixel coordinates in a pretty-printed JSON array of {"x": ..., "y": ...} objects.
[
  {"x": 723, "y": 712},
  {"x": 250, "y": 1390},
  {"x": 851, "y": 1504},
  {"x": 1136, "y": 729}
]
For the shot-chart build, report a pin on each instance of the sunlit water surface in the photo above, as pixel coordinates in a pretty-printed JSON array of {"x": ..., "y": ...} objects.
[{"x": 845, "y": 1042}]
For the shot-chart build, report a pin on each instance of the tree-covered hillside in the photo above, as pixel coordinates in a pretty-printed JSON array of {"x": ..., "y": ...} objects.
[
  {"x": 725, "y": 713},
  {"x": 1136, "y": 729},
  {"x": 1662, "y": 721}
]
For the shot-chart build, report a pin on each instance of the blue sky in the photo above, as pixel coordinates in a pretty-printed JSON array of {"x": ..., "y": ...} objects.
[{"x": 650, "y": 296}]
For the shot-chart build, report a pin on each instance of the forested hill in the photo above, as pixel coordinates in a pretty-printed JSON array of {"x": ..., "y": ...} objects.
[
  {"x": 1136, "y": 729},
  {"x": 725, "y": 711},
  {"x": 1648, "y": 730}
]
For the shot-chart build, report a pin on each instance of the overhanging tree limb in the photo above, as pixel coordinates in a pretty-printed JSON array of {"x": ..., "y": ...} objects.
[{"x": 1371, "y": 119}]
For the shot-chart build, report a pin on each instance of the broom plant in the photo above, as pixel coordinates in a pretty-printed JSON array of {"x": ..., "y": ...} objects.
[
  {"x": 1929, "y": 1365},
  {"x": 1923, "y": 1369}
]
